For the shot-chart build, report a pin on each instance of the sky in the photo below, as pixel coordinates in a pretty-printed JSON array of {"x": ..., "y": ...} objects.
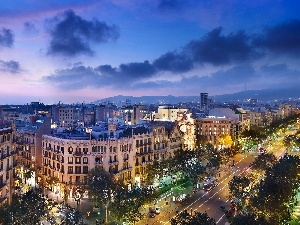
[{"x": 85, "y": 50}]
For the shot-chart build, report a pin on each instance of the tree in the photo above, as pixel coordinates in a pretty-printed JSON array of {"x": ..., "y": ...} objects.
[
  {"x": 103, "y": 187},
  {"x": 25, "y": 209},
  {"x": 225, "y": 141},
  {"x": 28, "y": 174},
  {"x": 255, "y": 134},
  {"x": 277, "y": 190},
  {"x": 249, "y": 219},
  {"x": 127, "y": 204},
  {"x": 263, "y": 162},
  {"x": 185, "y": 218},
  {"x": 237, "y": 186},
  {"x": 153, "y": 170},
  {"x": 51, "y": 181}
]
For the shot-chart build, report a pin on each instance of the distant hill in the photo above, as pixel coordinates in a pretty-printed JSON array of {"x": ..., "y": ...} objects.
[{"x": 260, "y": 95}]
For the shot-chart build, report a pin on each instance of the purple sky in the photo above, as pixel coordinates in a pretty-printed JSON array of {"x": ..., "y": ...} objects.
[{"x": 88, "y": 50}]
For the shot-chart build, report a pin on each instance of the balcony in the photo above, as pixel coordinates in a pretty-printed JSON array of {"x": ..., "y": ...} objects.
[
  {"x": 125, "y": 159},
  {"x": 113, "y": 162},
  {"x": 124, "y": 169},
  {"x": 77, "y": 153},
  {"x": 146, "y": 162},
  {"x": 114, "y": 171}
]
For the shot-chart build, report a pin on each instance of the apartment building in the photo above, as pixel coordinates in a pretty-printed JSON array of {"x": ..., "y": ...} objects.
[
  {"x": 168, "y": 113},
  {"x": 29, "y": 140},
  {"x": 67, "y": 117},
  {"x": 7, "y": 164},
  {"x": 126, "y": 153},
  {"x": 212, "y": 129}
]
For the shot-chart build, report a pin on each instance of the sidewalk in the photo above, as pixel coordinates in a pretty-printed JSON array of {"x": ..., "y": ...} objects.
[{"x": 85, "y": 207}]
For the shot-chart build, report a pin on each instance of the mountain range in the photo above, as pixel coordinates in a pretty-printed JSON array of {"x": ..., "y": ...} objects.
[{"x": 265, "y": 95}]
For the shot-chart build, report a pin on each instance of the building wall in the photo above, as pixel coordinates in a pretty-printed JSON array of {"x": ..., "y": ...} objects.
[
  {"x": 66, "y": 117},
  {"x": 168, "y": 114},
  {"x": 7, "y": 164},
  {"x": 211, "y": 129},
  {"x": 127, "y": 158}
]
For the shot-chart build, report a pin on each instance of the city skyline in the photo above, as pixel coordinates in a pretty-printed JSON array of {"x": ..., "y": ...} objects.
[{"x": 88, "y": 50}]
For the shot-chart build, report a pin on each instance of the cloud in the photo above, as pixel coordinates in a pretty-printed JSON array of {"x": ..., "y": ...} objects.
[
  {"x": 71, "y": 35},
  {"x": 283, "y": 38},
  {"x": 174, "y": 62},
  {"x": 75, "y": 78},
  {"x": 79, "y": 77},
  {"x": 137, "y": 70},
  {"x": 219, "y": 49},
  {"x": 6, "y": 37},
  {"x": 237, "y": 54},
  {"x": 127, "y": 73},
  {"x": 10, "y": 66},
  {"x": 29, "y": 27}
]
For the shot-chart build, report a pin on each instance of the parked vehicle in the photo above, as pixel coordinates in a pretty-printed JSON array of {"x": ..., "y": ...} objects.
[
  {"x": 208, "y": 187},
  {"x": 157, "y": 210},
  {"x": 222, "y": 208},
  {"x": 152, "y": 214}
]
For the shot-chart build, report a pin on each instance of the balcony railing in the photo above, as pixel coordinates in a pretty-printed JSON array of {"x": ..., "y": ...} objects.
[
  {"x": 126, "y": 168},
  {"x": 78, "y": 153},
  {"x": 113, "y": 162}
]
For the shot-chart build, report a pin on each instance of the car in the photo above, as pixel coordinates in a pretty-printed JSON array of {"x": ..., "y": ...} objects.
[
  {"x": 207, "y": 187},
  {"x": 157, "y": 210},
  {"x": 222, "y": 208},
  {"x": 152, "y": 214}
]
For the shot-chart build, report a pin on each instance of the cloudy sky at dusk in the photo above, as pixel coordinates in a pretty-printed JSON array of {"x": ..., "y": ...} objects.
[{"x": 74, "y": 51}]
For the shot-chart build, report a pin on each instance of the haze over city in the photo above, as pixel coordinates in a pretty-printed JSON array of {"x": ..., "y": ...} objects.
[{"x": 74, "y": 51}]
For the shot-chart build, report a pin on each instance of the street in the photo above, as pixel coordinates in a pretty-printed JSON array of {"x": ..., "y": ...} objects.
[{"x": 210, "y": 201}]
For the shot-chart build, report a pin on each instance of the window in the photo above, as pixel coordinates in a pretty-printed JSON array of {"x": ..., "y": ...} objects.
[
  {"x": 70, "y": 169},
  {"x": 77, "y": 169},
  {"x": 85, "y": 160},
  {"x": 85, "y": 169},
  {"x": 70, "y": 150},
  {"x": 77, "y": 160},
  {"x": 85, "y": 150},
  {"x": 70, "y": 160}
]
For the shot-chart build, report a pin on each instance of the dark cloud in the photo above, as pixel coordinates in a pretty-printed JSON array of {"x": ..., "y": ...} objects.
[
  {"x": 105, "y": 75},
  {"x": 173, "y": 62},
  {"x": 6, "y": 37},
  {"x": 137, "y": 70},
  {"x": 237, "y": 50},
  {"x": 30, "y": 27},
  {"x": 71, "y": 35},
  {"x": 107, "y": 70},
  {"x": 283, "y": 38},
  {"x": 10, "y": 66},
  {"x": 219, "y": 49},
  {"x": 78, "y": 77}
]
